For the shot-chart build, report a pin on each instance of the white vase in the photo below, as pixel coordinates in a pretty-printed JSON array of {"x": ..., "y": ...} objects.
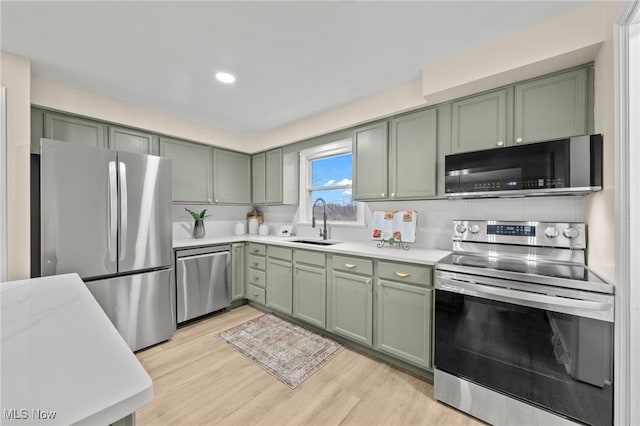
[{"x": 253, "y": 226}]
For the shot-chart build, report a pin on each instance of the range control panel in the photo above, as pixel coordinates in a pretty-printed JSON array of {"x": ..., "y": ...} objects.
[{"x": 545, "y": 234}]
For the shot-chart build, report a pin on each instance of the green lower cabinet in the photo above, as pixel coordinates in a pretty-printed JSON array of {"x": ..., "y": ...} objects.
[
  {"x": 237, "y": 272},
  {"x": 310, "y": 294},
  {"x": 279, "y": 285},
  {"x": 351, "y": 307},
  {"x": 403, "y": 321}
]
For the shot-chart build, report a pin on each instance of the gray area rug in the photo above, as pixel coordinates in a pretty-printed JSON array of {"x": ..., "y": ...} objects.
[{"x": 287, "y": 351}]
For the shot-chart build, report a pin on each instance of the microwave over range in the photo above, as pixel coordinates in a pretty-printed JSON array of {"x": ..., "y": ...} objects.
[{"x": 558, "y": 167}]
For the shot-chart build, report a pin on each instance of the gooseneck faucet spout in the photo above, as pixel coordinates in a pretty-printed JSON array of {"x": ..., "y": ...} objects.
[{"x": 323, "y": 231}]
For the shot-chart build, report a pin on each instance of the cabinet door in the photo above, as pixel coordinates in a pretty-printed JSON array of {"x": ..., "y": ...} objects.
[
  {"x": 413, "y": 155},
  {"x": 310, "y": 294},
  {"x": 122, "y": 139},
  {"x": 232, "y": 177},
  {"x": 73, "y": 129},
  {"x": 273, "y": 189},
  {"x": 237, "y": 271},
  {"x": 551, "y": 107},
  {"x": 192, "y": 177},
  {"x": 279, "y": 285},
  {"x": 479, "y": 122},
  {"x": 258, "y": 178},
  {"x": 403, "y": 321},
  {"x": 351, "y": 307},
  {"x": 370, "y": 162}
]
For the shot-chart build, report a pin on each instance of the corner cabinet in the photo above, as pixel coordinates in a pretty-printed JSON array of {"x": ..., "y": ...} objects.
[
  {"x": 191, "y": 168},
  {"x": 370, "y": 162},
  {"x": 275, "y": 177},
  {"x": 404, "y": 312},
  {"x": 413, "y": 154},
  {"x": 350, "y": 299},
  {"x": 551, "y": 107},
  {"x": 123, "y": 139},
  {"x": 232, "y": 177}
]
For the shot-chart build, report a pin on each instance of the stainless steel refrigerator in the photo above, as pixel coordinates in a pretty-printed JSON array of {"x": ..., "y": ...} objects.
[{"x": 107, "y": 215}]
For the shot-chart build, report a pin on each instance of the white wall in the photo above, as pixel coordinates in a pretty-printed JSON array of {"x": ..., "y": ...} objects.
[{"x": 15, "y": 75}]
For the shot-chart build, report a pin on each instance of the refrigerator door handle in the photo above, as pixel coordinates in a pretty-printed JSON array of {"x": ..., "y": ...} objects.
[
  {"x": 113, "y": 212},
  {"x": 123, "y": 209}
]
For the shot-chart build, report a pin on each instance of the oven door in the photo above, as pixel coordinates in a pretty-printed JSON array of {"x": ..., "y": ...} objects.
[{"x": 555, "y": 353}]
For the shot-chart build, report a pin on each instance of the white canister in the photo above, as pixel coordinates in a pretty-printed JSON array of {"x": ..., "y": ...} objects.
[
  {"x": 253, "y": 226},
  {"x": 239, "y": 228},
  {"x": 264, "y": 229}
]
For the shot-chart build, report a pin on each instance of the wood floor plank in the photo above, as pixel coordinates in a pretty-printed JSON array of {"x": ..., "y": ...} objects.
[{"x": 199, "y": 380}]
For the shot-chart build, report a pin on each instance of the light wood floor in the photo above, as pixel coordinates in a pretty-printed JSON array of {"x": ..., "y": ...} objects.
[{"x": 199, "y": 380}]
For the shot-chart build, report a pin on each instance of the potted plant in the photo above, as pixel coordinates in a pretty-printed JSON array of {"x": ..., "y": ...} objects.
[{"x": 198, "y": 228}]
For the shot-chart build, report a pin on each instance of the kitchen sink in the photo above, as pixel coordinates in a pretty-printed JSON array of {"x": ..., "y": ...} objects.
[{"x": 316, "y": 242}]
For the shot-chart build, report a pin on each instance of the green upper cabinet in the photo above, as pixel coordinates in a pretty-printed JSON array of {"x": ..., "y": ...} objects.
[
  {"x": 258, "y": 175},
  {"x": 232, "y": 177},
  {"x": 413, "y": 155},
  {"x": 123, "y": 139},
  {"x": 480, "y": 122},
  {"x": 551, "y": 107},
  {"x": 192, "y": 174},
  {"x": 273, "y": 177},
  {"x": 370, "y": 162},
  {"x": 74, "y": 129}
]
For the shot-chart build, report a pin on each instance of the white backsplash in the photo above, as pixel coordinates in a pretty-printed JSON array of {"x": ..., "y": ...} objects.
[{"x": 434, "y": 217}]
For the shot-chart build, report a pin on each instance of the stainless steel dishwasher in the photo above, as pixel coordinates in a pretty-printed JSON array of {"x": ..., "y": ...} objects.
[{"x": 202, "y": 281}]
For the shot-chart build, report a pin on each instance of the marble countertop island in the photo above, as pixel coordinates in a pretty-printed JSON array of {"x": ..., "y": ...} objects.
[{"x": 62, "y": 361}]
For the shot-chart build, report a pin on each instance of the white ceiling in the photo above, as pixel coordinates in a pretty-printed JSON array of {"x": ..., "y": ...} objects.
[{"x": 292, "y": 60}]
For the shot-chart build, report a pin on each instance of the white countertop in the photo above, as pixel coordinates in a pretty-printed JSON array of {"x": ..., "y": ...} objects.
[
  {"x": 60, "y": 353},
  {"x": 366, "y": 249}
]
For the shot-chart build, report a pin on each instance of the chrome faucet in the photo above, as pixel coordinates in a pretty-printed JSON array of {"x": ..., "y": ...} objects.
[{"x": 323, "y": 232}]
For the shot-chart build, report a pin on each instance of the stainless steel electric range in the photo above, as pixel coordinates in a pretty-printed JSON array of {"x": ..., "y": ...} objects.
[{"x": 523, "y": 328}]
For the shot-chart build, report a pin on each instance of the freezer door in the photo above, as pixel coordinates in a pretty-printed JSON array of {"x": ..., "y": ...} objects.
[
  {"x": 146, "y": 223},
  {"x": 78, "y": 214},
  {"x": 138, "y": 305}
]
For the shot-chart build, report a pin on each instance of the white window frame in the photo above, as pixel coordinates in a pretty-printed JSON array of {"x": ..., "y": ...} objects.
[{"x": 306, "y": 157}]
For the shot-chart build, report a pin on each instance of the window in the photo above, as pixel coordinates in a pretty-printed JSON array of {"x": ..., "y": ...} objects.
[{"x": 326, "y": 172}]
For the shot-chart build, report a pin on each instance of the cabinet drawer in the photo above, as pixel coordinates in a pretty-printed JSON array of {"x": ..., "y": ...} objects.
[
  {"x": 259, "y": 249},
  {"x": 280, "y": 253},
  {"x": 256, "y": 294},
  {"x": 353, "y": 264},
  {"x": 311, "y": 257},
  {"x": 257, "y": 262},
  {"x": 256, "y": 277},
  {"x": 404, "y": 272}
]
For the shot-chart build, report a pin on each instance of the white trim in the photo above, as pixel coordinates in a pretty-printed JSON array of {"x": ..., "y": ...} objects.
[
  {"x": 3, "y": 185},
  {"x": 340, "y": 147},
  {"x": 627, "y": 149}
]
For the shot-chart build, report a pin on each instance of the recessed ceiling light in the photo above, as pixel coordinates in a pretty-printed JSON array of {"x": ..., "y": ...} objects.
[{"x": 225, "y": 77}]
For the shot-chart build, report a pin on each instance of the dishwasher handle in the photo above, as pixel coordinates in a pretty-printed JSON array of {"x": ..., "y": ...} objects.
[{"x": 202, "y": 251}]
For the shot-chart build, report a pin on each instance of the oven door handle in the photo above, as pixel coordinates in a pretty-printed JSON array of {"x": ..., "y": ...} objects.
[{"x": 585, "y": 308}]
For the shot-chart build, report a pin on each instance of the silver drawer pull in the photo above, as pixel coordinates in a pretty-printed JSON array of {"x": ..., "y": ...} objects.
[
  {"x": 256, "y": 294},
  {"x": 256, "y": 250},
  {"x": 349, "y": 265},
  {"x": 402, "y": 274},
  {"x": 256, "y": 278},
  {"x": 255, "y": 263}
]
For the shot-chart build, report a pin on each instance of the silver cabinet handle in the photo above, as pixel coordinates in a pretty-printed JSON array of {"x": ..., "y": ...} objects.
[
  {"x": 349, "y": 265},
  {"x": 255, "y": 263},
  {"x": 519, "y": 140},
  {"x": 113, "y": 212},
  {"x": 380, "y": 283},
  {"x": 123, "y": 209},
  {"x": 382, "y": 194},
  {"x": 393, "y": 194},
  {"x": 402, "y": 274},
  {"x": 500, "y": 143},
  {"x": 367, "y": 281}
]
